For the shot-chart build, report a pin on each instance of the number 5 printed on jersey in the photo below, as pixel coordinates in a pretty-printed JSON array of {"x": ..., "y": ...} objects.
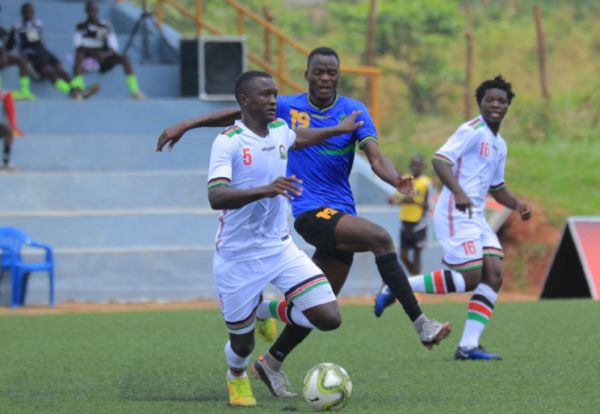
[{"x": 247, "y": 156}]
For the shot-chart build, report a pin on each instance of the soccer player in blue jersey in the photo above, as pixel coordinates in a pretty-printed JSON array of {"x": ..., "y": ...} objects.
[{"x": 325, "y": 214}]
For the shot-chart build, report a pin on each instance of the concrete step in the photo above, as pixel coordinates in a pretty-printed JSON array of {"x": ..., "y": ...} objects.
[
  {"x": 164, "y": 274},
  {"x": 123, "y": 274},
  {"x": 142, "y": 227},
  {"x": 125, "y": 152},
  {"x": 117, "y": 228},
  {"x": 111, "y": 116},
  {"x": 104, "y": 190}
]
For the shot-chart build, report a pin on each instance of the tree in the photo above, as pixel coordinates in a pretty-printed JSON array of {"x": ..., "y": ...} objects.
[{"x": 416, "y": 33}]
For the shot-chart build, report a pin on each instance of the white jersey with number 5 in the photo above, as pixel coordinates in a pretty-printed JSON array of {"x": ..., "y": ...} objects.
[
  {"x": 249, "y": 161},
  {"x": 478, "y": 158}
]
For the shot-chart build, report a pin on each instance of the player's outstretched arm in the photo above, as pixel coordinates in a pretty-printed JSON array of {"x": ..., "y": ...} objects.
[
  {"x": 224, "y": 197},
  {"x": 172, "y": 134},
  {"x": 384, "y": 169},
  {"x": 306, "y": 137},
  {"x": 507, "y": 199},
  {"x": 444, "y": 172}
]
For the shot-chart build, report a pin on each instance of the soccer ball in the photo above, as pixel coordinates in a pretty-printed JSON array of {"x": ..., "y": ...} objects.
[{"x": 327, "y": 387}]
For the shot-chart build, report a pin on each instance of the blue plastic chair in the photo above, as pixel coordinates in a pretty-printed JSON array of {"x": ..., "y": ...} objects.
[{"x": 11, "y": 241}]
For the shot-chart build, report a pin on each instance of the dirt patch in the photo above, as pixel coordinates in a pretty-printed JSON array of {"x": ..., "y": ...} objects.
[
  {"x": 87, "y": 307},
  {"x": 528, "y": 248}
]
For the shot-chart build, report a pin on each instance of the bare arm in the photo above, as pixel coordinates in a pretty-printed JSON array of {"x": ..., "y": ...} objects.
[
  {"x": 224, "y": 197},
  {"x": 444, "y": 172},
  {"x": 385, "y": 170},
  {"x": 507, "y": 199},
  {"x": 306, "y": 137},
  {"x": 173, "y": 133}
]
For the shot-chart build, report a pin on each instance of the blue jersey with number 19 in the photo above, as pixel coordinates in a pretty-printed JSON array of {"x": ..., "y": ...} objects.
[{"x": 324, "y": 168}]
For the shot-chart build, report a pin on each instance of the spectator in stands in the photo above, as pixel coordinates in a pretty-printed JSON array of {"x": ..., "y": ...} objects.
[
  {"x": 96, "y": 39},
  {"x": 28, "y": 37},
  {"x": 10, "y": 60}
]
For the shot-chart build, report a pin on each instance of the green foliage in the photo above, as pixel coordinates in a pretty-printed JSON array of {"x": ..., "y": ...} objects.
[
  {"x": 421, "y": 48},
  {"x": 413, "y": 34},
  {"x": 173, "y": 362}
]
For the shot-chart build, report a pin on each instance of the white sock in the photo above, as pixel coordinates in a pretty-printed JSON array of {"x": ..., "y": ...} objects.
[
  {"x": 298, "y": 318},
  {"x": 279, "y": 310},
  {"x": 439, "y": 282},
  {"x": 479, "y": 312},
  {"x": 234, "y": 360},
  {"x": 263, "y": 312}
]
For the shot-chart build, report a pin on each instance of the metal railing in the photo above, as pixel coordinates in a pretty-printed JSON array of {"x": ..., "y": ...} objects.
[{"x": 278, "y": 68}]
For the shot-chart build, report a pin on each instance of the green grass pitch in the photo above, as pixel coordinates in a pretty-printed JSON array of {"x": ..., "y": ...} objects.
[{"x": 172, "y": 362}]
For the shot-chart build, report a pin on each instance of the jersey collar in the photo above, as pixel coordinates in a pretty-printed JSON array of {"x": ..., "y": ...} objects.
[{"x": 324, "y": 109}]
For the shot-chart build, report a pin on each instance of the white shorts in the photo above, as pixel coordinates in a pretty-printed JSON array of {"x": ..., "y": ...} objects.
[
  {"x": 465, "y": 251},
  {"x": 240, "y": 284}
]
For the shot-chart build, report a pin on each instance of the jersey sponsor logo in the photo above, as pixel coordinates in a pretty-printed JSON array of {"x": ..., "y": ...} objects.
[
  {"x": 282, "y": 152},
  {"x": 267, "y": 149}
]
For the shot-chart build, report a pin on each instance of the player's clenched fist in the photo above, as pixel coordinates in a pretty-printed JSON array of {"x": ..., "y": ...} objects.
[{"x": 525, "y": 211}]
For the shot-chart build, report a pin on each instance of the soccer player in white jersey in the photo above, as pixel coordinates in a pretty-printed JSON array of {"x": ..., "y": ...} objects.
[
  {"x": 253, "y": 246},
  {"x": 471, "y": 164}
]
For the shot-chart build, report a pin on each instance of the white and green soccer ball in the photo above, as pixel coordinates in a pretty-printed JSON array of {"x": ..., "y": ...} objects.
[{"x": 327, "y": 387}]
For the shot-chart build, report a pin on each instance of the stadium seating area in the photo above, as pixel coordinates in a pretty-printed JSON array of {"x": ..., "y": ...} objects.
[{"x": 126, "y": 223}]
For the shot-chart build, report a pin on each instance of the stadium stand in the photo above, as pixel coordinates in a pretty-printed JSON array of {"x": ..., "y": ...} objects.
[{"x": 126, "y": 223}]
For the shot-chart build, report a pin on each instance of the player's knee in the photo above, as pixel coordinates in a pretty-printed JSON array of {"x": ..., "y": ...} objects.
[
  {"x": 472, "y": 278},
  {"x": 380, "y": 241},
  {"x": 494, "y": 280},
  {"x": 329, "y": 321}
]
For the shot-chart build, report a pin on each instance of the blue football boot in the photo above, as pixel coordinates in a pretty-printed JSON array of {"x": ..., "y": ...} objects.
[
  {"x": 383, "y": 299},
  {"x": 477, "y": 353}
]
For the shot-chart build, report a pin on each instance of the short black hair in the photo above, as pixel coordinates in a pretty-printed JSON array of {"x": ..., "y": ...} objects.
[
  {"x": 497, "y": 83},
  {"x": 243, "y": 80},
  {"x": 416, "y": 157},
  {"x": 24, "y": 6},
  {"x": 322, "y": 51}
]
